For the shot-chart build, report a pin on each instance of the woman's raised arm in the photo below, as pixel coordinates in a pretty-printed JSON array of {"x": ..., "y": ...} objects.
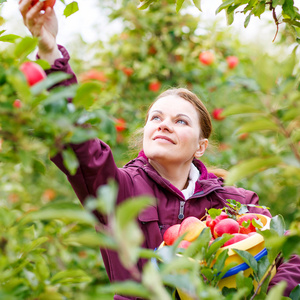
[{"x": 44, "y": 26}]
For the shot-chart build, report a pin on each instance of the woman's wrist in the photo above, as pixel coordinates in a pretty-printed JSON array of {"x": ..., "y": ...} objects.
[{"x": 50, "y": 56}]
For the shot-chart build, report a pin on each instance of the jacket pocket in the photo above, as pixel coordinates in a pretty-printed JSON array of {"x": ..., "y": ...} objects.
[{"x": 149, "y": 224}]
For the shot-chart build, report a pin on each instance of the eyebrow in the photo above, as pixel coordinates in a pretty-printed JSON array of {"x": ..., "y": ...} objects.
[{"x": 178, "y": 115}]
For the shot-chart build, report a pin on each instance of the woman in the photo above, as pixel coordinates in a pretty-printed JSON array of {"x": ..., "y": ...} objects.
[{"x": 176, "y": 135}]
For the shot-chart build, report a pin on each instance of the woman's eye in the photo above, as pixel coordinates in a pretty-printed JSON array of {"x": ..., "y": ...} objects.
[
  {"x": 182, "y": 122},
  {"x": 154, "y": 118}
]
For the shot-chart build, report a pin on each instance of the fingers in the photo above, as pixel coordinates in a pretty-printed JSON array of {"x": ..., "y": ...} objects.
[{"x": 32, "y": 16}]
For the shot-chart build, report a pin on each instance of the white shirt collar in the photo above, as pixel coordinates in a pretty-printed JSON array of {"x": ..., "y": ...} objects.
[{"x": 193, "y": 177}]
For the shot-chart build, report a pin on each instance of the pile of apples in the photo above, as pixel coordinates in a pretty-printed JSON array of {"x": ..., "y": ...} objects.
[{"x": 241, "y": 228}]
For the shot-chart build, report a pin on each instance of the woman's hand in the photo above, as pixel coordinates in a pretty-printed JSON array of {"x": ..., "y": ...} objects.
[{"x": 42, "y": 25}]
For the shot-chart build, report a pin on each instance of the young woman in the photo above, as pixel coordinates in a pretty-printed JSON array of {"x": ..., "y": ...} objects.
[{"x": 168, "y": 168}]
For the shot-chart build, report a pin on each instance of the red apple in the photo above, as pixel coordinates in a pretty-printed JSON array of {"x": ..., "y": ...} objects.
[
  {"x": 237, "y": 238},
  {"x": 228, "y": 225},
  {"x": 243, "y": 136},
  {"x": 232, "y": 61},
  {"x": 47, "y": 3},
  {"x": 93, "y": 75},
  {"x": 154, "y": 86},
  {"x": 33, "y": 72},
  {"x": 211, "y": 223},
  {"x": 192, "y": 226},
  {"x": 17, "y": 103},
  {"x": 184, "y": 244},
  {"x": 152, "y": 50},
  {"x": 120, "y": 125},
  {"x": 171, "y": 234},
  {"x": 206, "y": 58},
  {"x": 246, "y": 218},
  {"x": 217, "y": 114},
  {"x": 128, "y": 71}
]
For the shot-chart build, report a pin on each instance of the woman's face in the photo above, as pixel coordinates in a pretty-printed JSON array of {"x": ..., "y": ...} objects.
[{"x": 172, "y": 132}]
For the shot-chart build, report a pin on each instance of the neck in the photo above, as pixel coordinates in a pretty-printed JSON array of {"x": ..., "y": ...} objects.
[{"x": 176, "y": 175}]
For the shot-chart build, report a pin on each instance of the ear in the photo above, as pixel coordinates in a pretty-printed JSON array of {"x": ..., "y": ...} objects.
[{"x": 203, "y": 143}]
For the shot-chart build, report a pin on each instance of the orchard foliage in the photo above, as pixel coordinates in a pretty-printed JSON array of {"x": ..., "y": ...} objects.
[
  {"x": 288, "y": 12},
  {"x": 48, "y": 246}
]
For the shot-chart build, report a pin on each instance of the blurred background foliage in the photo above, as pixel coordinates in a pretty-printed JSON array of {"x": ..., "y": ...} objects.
[{"x": 256, "y": 138}]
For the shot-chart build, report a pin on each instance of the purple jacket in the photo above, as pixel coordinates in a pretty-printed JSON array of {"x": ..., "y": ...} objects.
[{"x": 139, "y": 178}]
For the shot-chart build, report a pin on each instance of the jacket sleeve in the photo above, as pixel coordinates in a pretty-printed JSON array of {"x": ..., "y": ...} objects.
[
  {"x": 96, "y": 167},
  {"x": 96, "y": 163}
]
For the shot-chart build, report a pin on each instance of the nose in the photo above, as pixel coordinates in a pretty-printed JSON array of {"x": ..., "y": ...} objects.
[{"x": 166, "y": 125}]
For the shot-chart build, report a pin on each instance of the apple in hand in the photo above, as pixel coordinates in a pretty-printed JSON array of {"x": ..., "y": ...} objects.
[
  {"x": 33, "y": 72},
  {"x": 192, "y": 226},
  {"x": 237, "y": 237},
  {"x": 228, "y": 225},
  {"x": 246, "y": 218},
  {"x": 171, "y": 234},
  {"x": 47, "y": 3}
]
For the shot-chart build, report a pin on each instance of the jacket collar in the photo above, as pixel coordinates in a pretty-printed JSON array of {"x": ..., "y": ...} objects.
[{"x": 206, "y": 183}]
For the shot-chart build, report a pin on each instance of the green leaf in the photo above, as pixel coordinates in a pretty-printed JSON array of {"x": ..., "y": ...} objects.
[
  {"x": 277, "y": 2},
  {"x": 34, "y": 244},
  {"x": 49, "y": 81},
  {"x": 129, "y": 209},
  {"x": 179, "y": 5},
  {"x": 152, "y": 280},
  {"x": 70, "y": 276},
  {"x": 295, "y": 294},
  {"x": 60, "y": 210},
  {"x": 86, "y": 94},
  {"x": 91, "y": 238},
  {"x": 244, "y": 284},
  {"x": 263, "y": 267},
  {"x": 180, "y": 281},
  {"x": 70, "y": 160},
  {"x": 126, "y": 288},
  {"x": 248, "y": 259},
  {"x": 276, "y": 292},
  {"x": 71, "y": 9},
  {"x": 107, "y": 197},
  {"x": 25, "y": 47},
  {"x": 9, "y": 38},
  {"x": 247, "y": 20},
  {"x": 145, "y": 4},
  {"x": 240, "y": 109},
  {"x": 277, "y": 223},
  {"x": 249, "y": 167},
  {"x": 224, "y": 5},
  {"x": 288, "y": 8},
  {"x": 213, "y": 212},
  {"x": 258, "y": 125},
  {"x": 216, "y": 244},
  {"x": 229, "y": 18},
  {"x": 59, "y": 93},
  {"x": 197, "y": 3},
  {"x": 259, "y": 8}
]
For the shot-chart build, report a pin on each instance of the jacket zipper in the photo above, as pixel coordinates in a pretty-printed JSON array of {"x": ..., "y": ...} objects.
[{"x": 181, "y": 210}]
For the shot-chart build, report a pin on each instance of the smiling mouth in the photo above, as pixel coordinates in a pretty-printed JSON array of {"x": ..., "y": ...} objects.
[{"x": 165, "y": 138}]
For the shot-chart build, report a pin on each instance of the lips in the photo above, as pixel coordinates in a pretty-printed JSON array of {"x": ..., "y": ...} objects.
[{"x": 163, "y": 137}]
